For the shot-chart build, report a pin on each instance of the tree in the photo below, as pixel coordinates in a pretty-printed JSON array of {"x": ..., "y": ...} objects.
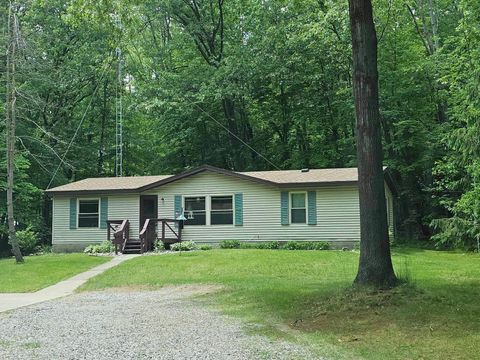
[
  {"x": 277, "y": 74},
  {"x": 10, "y": 127},
  {"x": 375, "y": 266}
]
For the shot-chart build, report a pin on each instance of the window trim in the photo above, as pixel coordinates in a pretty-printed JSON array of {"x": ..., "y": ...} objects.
[
  {"x": 290, "y": 207},
  {"x": 78, "y": 213},
  {"x": 208, "y": 207}
]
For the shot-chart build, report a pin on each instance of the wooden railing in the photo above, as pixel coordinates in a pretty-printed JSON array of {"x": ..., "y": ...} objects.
[
  {"x": 176, "y": 231},
  {"x": 121, "y": 229},
  {"x": 147, "y": 235}
]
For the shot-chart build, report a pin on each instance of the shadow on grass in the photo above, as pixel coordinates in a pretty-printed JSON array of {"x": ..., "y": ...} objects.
[{"x": 407, "y": 320}]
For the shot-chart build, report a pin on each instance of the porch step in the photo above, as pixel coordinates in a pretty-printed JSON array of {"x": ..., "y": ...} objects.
[{"x": 133, "y": 246}]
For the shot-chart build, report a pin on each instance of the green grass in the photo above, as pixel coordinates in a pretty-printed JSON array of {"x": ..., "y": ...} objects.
[
  {"x": 41, "y": 271},
  {"x": 306, "y": 296}
]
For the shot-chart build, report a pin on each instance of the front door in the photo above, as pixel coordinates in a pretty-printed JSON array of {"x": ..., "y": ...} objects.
[{"x": 148, "y": 208}]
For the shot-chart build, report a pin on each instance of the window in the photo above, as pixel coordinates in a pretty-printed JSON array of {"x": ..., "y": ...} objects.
[
  {"x": 195, "y": 210},
  {"x": 88, "y": 214},
  {"x": 221, "y": 212},
  {"x": 298, "y": 210}
]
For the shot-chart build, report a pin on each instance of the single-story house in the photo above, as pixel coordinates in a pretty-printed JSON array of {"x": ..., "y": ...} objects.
[{"x": 218, "y": 204}]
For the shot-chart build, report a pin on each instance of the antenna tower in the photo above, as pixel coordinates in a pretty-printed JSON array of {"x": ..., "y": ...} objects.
[{"x": 118, "y": 108}]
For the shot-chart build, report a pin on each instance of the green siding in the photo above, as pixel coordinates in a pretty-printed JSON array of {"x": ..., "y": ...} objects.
[
  {"x": 312, "y": 208},
  {"x": 119, "y": 207},
  {"x": 284, "y": 208},
  {"x": 73, "y": 213},
  {"x": 103, "y": 212},
  {"x": 178, "y": 206},
  {"x": 238, "y": 209}
]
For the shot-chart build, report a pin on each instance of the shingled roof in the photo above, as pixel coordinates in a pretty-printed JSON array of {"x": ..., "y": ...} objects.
[
  {"x": 310, "y": 176},
  {"x": 280, "y": 178},
  {"x": 105, "y": 184}
]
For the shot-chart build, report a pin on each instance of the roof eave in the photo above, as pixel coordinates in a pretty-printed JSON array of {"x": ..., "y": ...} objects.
[
  {"x": 91, "y": 192},
  {"x": 316, "y": 184}
]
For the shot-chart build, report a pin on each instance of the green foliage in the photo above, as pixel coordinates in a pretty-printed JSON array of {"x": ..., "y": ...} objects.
[
  {"x": 158, "y": 246},
  {"x": 276, "y": 75},
  {"x": 106, "y": 247},
  {"x": 183, "y": 246},
  {"x": 205, "y": 247},
  {"x": 306, "y": 245},
  {"x": 230, "y": 244},
  {"x": 274, "y": 245},
  {"x": 43, "y": 249},
  {"x": 271, "y": 245},
  {"x": 456, "y": 187},
  {"x": 27, "y": 240}
]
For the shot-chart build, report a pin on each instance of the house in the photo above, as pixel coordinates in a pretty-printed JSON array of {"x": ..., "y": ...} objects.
[{"x": 218, "y": 204}]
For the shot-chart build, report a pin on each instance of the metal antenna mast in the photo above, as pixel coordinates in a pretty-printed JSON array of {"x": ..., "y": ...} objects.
[{"x": 118, "y": 109}]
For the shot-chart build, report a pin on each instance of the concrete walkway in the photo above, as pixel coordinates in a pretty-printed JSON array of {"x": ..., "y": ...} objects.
[{"x": 12, "y": 301}]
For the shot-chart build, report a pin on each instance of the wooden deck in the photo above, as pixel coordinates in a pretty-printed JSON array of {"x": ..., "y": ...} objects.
[{"x": 169, "y": 231}]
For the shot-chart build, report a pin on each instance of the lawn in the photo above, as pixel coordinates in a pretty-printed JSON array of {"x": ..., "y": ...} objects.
[
  {"x": 306, "y": 296},
  {"x": 41, "y": 271}
]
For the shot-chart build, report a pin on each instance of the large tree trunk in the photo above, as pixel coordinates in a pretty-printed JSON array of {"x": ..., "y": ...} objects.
[
  {"x": 10, "y": 128},
  {"x": 375, "y": 266}
]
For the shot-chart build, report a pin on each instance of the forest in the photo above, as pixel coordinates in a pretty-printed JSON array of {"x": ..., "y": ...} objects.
[{"x": 244, "y": 85}]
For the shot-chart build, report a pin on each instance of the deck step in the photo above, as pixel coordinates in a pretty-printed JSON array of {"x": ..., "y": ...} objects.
[{"x": 133, "y": 246}]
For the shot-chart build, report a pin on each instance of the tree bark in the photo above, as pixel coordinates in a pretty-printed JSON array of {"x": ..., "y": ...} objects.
[
  {"x": 375, "y": 265},
  {"x": 10, "y": 129}
]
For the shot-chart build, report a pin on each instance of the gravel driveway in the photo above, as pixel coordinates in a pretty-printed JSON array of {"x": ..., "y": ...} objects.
[{"x": 164, "y": 324}]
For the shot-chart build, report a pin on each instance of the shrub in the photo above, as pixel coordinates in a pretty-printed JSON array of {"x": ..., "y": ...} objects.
[
  {"x": 306, "y": 245},
  {"x": 321, "y": 245},
  {"x": 44, "y": 249},
  {"x": 291, "y": 245},
  {"x": 105, "y": 247},
  {"x": 230, "y": 244},
  {"x": 158, "y": 246},
  {"x": 271, "y": 245},
  {"x": 183, "y": 246},
  {"x": 27, "y": 241},
  {"x": 205, "y": 247},
  {"x": 246, "y": 245}
]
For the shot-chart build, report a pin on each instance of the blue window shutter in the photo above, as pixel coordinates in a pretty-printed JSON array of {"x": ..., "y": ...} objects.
[
  {"x": 284, "y": 207},
  {"x": 73, "y": 213},
  {"x": 103, "y": 212},
  {"x": 239, "y": 209},
  {"x": 177, "y": 206},
  {"x": 312, "y": 208}
]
